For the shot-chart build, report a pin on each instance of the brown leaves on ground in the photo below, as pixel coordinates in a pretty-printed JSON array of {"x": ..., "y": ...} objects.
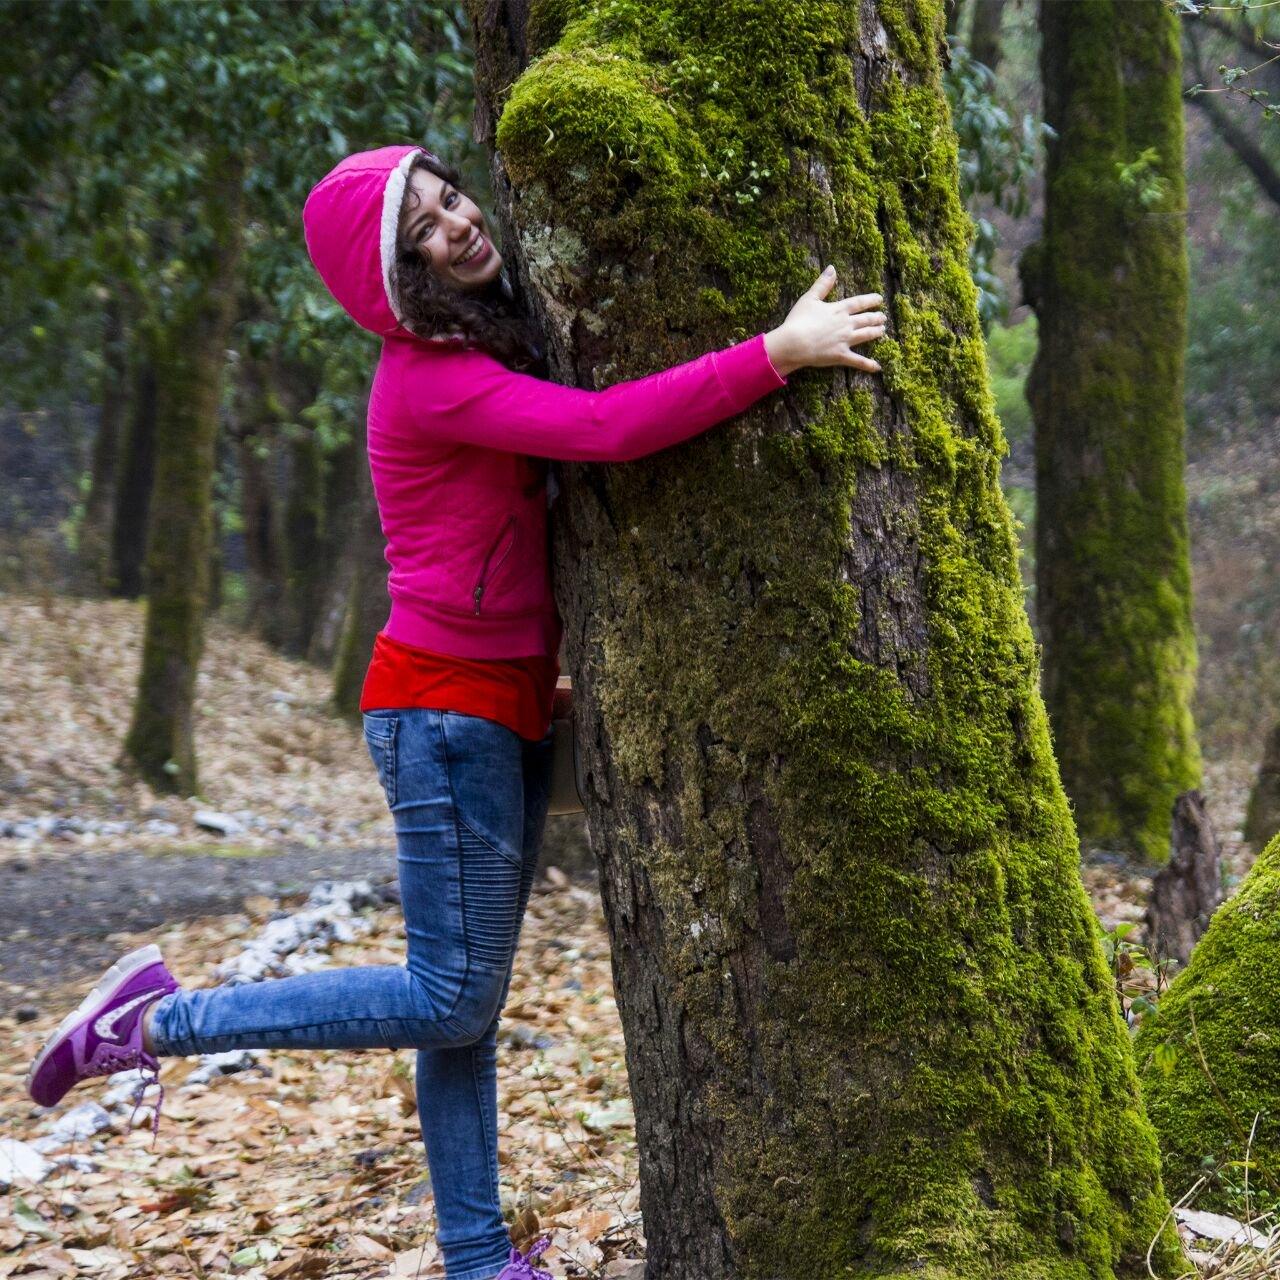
[{"x": 318, "y": 1169}]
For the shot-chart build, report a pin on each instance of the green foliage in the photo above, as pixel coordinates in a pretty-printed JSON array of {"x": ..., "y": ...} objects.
[
  {"x": 998, "y": 156},
  {"x": 1010, "y": 351},
  {"x": 1210, "y": 1054}
]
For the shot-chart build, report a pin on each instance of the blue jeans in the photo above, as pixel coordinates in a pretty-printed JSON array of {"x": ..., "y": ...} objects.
[{"x": 469, "y": 798}]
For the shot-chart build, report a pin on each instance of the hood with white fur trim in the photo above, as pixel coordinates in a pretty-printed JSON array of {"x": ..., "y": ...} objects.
[{"x": 349, "y": 221}]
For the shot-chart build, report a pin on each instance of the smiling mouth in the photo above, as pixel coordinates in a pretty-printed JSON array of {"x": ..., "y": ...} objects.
[{"x": 470, "y": 253}]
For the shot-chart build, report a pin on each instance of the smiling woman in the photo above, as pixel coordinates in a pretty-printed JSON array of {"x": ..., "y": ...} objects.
[{"x": 448, "y": 273}]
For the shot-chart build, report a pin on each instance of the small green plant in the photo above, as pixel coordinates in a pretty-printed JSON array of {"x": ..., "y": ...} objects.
[{"x": 1139, "y": 979}]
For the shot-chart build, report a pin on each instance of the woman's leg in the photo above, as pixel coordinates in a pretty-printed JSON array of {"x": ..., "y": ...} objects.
[
  {"x": 447, "y": 993},
  {"x": 457, "y": 1087}
]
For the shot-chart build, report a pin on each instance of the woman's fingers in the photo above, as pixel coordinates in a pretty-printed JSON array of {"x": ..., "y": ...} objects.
[
  {"x": 863, "y": 362},
  {"x": 859, "y": 301}
]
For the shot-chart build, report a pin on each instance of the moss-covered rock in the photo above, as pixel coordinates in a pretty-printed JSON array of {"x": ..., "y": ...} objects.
[{"x": 1210, "y": 1054}]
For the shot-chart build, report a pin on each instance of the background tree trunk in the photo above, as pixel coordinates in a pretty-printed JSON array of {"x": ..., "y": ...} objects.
[
  {"x": 94, "y": 542},
  {"x": 369, "y": 603},
  {"x": 869, "y": 1027},
  {"x": 1113, "y": 579},
  {"x": 1262, "y": 817},
  {"x": 984, "y": 37},
  {"x": 264, "y": 550},
  {"x": 190, "y": 363},
  {"x": 1188, "y": 890},
  {"x": 134, "y": 474}
]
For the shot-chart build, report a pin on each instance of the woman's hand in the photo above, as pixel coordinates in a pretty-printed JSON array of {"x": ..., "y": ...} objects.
[{"x": 820, "y": 334}]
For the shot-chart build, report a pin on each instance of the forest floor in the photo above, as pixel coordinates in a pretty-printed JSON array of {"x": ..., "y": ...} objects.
[{"x": 289, "y": 1165}]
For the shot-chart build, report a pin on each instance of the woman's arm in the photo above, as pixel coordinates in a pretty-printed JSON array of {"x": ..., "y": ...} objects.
[{"x": 469, "y": 397}]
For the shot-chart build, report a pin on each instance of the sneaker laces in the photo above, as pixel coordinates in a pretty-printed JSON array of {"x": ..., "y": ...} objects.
[
  {"x": 523, "y": 1262},
  {"x": 114, "y": 1060}
]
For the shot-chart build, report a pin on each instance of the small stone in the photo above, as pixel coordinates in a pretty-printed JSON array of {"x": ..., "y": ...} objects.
[
  {"x": 221, "y": 823},
  {"x": 26, "y": 1013}
]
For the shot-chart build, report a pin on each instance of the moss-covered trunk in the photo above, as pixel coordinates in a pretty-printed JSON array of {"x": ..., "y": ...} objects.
[
  {"x": 869, "y": 1028},
  {"x": 1109, "y": 286},
  {"x": 190, "y": 357}
]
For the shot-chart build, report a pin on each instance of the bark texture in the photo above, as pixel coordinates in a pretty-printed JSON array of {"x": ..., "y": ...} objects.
[
  {"x": 1109, "y": 286},
  {"x": 190, "y": 354},
  {"x": 1210, "y": 1054},
  {"x": 869, "y": 1028},
  {"x": 1188, "y": 889}
]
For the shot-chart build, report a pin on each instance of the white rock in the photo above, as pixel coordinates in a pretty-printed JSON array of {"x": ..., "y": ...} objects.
[
  {"x": 223, "y": 823},
  {"x": 1217, "y": 1226},
  {"x": 81, "y": 1122},
  {"x": 20, "y": 1163},
  {"x": 213, "y": 1065}
]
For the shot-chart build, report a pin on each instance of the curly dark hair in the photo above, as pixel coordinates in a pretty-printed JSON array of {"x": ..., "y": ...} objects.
[{"x": 488, "y": 317}]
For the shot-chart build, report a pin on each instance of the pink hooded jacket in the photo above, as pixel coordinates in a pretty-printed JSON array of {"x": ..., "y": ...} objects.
[{"x": 453, "y": 433}]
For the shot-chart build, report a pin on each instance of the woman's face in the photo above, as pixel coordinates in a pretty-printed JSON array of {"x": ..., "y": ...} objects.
[{"x": 444, "y": 226}]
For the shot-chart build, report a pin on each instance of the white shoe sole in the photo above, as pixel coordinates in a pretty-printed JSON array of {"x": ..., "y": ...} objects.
[{"x": 108, "y": 985}]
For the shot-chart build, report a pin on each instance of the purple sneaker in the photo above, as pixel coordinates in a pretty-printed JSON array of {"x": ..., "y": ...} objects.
[
  {"x": 520, "y": 1265},
  {"x": 104, "y": 1034}
]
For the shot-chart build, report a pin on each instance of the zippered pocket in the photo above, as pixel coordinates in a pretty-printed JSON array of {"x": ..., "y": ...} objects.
[{"x": 487, "y": 570}]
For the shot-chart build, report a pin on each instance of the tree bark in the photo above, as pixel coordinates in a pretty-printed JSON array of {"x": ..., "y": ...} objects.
[
  {"x": 869, "y": 1028},
  {"x": 1188, "y": 890},
  {"x": 189, "y": 367},
  {"x": 1113, "y": 578}
]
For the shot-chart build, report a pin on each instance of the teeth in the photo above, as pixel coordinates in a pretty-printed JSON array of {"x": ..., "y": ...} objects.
[{"x": 471, "y": 253}]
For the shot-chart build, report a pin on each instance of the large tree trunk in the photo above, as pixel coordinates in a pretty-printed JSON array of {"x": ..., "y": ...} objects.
[
  {"x": 1109, "y": 285},
  {"x": 869, "y": 1027},
  {"x": 189, "y": 367}
]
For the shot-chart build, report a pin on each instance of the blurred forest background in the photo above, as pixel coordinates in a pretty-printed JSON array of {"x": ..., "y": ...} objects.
[
  {"x": 191, "y": 571},
  {"x": 103, "y": 219}
]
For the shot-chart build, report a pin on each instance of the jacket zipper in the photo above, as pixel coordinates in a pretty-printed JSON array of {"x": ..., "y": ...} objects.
[{"x": 479, "y": 587}]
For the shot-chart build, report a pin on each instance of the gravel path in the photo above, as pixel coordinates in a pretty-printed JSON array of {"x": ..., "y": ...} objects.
[{"x": 57, "y": 911}]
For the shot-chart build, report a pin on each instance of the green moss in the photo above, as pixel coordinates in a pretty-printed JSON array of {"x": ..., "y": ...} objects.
[
  {"x": 1222, "y": 1006},
  {"x": 812, "y": 619},
  {"x": 1113, "y": 584}
]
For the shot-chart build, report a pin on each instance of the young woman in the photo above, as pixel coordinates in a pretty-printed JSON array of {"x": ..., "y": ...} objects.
[{"x": 457, "y": 700}]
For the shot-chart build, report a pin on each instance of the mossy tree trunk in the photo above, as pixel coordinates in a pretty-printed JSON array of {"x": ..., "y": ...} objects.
[
  {"x": 869, "y": 1027},
  {"x": 190, "y": 357},
  {"x": 1109, "y": 287}
]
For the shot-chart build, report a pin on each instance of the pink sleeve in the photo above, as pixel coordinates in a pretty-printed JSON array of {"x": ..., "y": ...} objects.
[{"x": 469, "y": 397}]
